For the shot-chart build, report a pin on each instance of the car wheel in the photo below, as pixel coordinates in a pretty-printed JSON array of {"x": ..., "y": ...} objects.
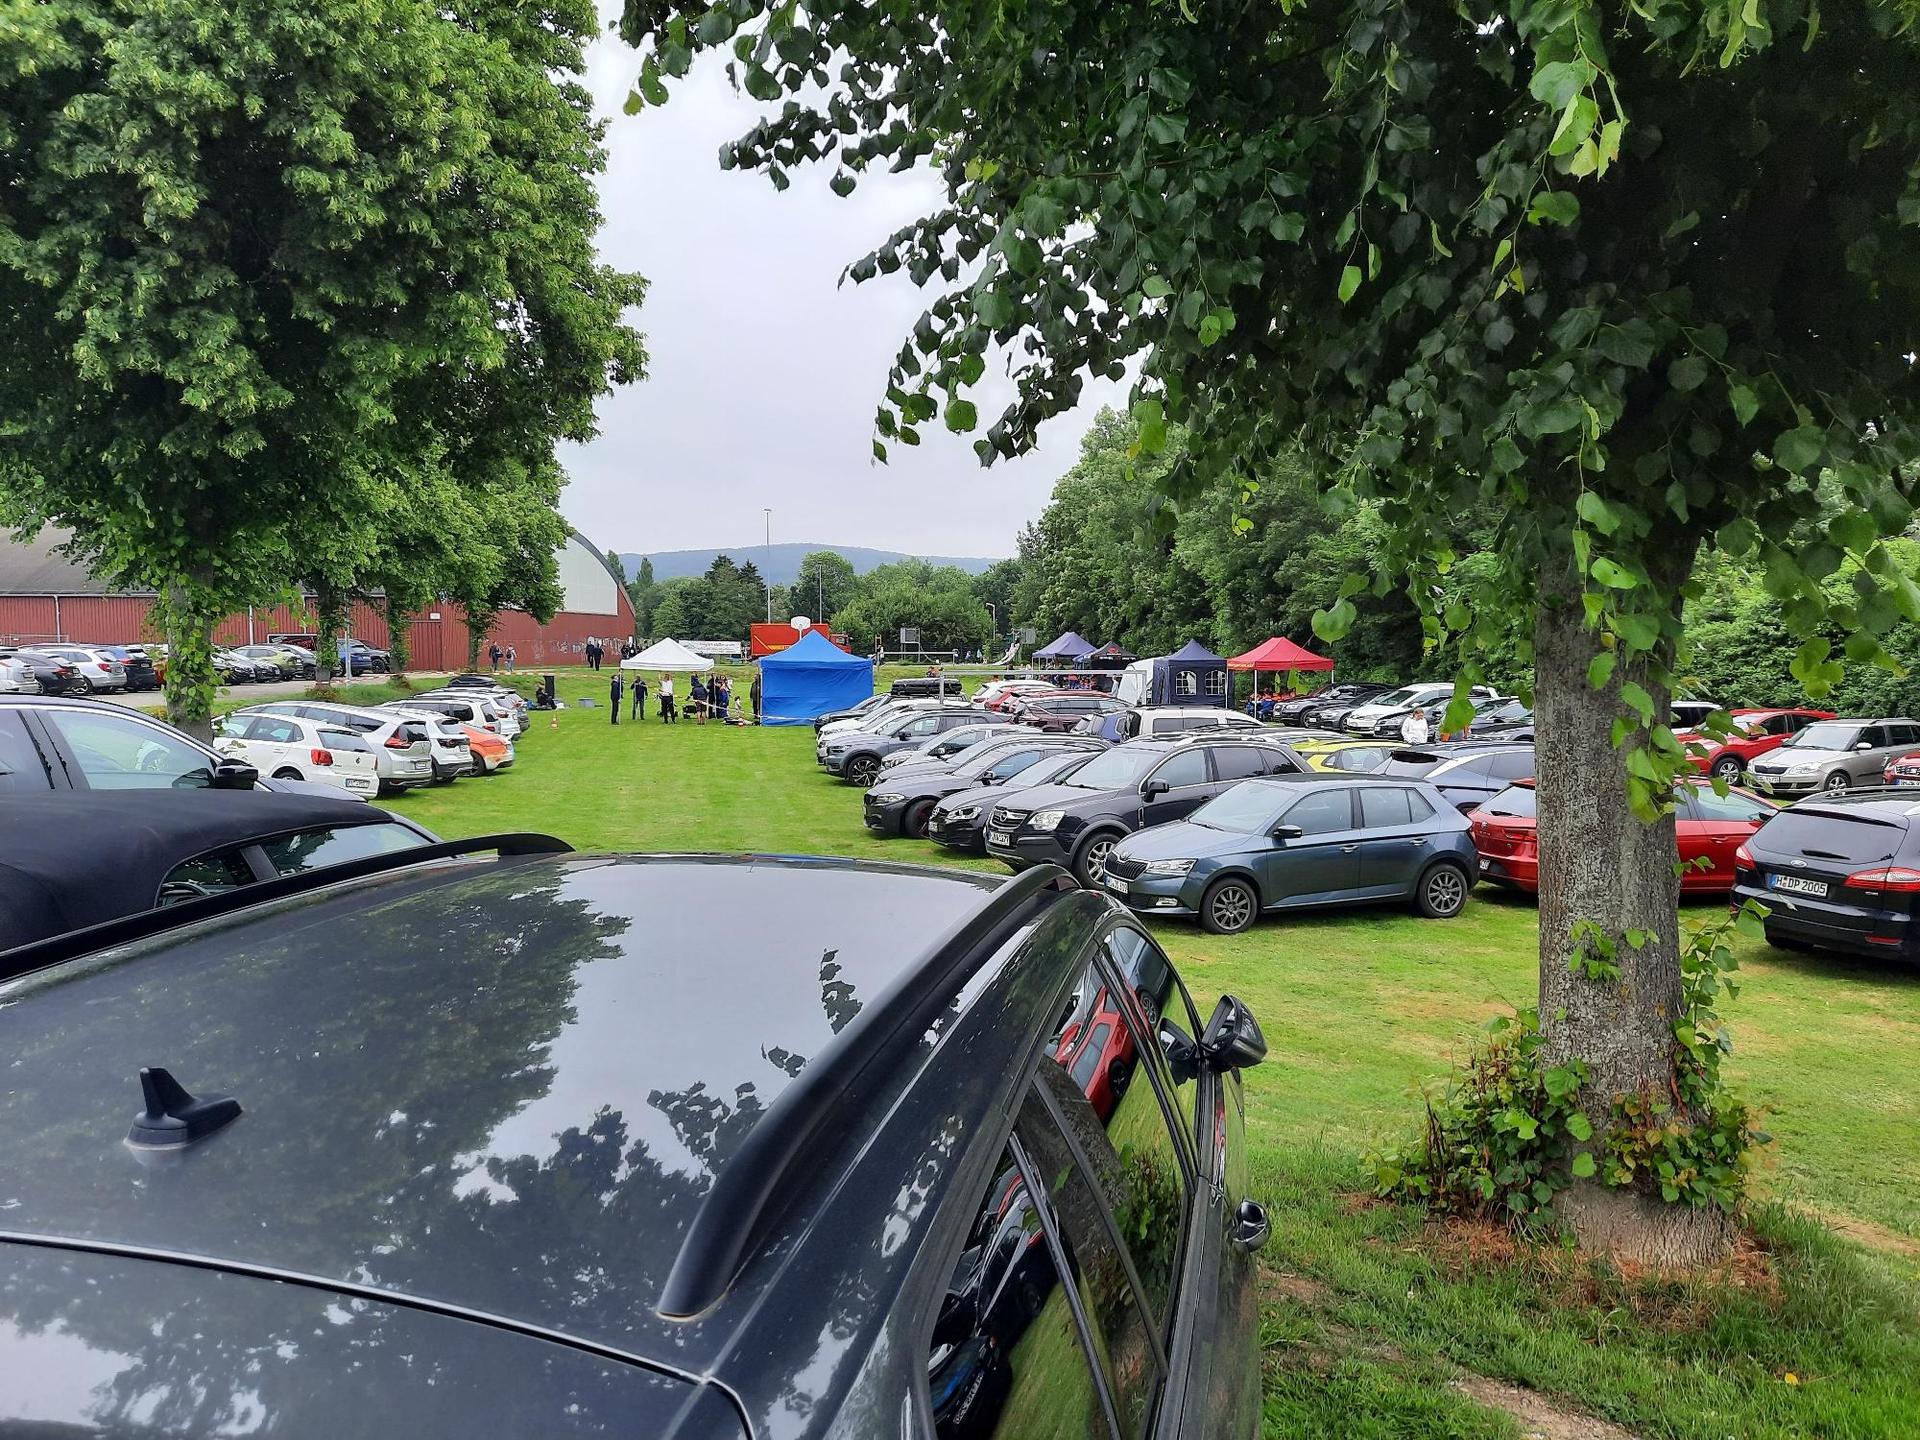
[
  {"x": 863, "y": 770},
  {"x": 287, "y": 773},
  {"x": 914, "y": 823},
  {"x": 1837, "y": 783},
  {"x": 1728, "y": 768},
  {"x": 81, "y": 686},
  {"x": 1090, "y": 861},
  {"x": 1443, "y": 891},
  {"x": 1228, "y": 907}
]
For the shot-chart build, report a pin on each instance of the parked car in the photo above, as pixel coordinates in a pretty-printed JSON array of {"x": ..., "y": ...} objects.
[
  {"x": 71, "y": 861},
  {"x": 235, "y": 669},
  {"x": 287, "y": 662},
  {"x": 885, "y": 715},
  {"x": 61, "y": 743},
  {"x": 1299, "y": 842},
  {"x": 1127, "y": 724},
  {"x": 1708, "y": 830},
  {"x": 855, "y": 755},
  {"x": 902, "y": 803},
  {"x": 472, "y": 708},
  {"x": 1502, "y": 720},
  {"x": 959, "y": 822},
  {"x": 1834, "y": 756},
  {"x": 949, "y": 744},
  {"x": 1385, "y": 716},
  {"x": 492, "y": 751},
  {"x": 1466, "y": 772},
  {"x": 402, "y": 747},
  {"x": 139, "y": 668},
  {"x": 452, "y": 752},
  {"x": 1058, "y": 713},
  {"x": 920, "y": 687},
  {"x": 1425, "y": 722},
  {"x": 1837, "y": 872},
  {"x": 1076, "y": 821},
  {"x": 93, "y": 669},
  {"x": 1691, "y": 714},
  {"x": 1752, "y": 734},
  {"x": 852, "y": 712},
  {"x": 1003, "y": 695},
  {"x": 1343, "y": 696},
  {"x": 443, "y": 1072},
  {"x": 1346, "y": 756},
  {"x": 18, "y": 676},
  {"x": 51, "y": 674},
  {"x": 360, "y": 658},
  {"x": 289, "y": 747}
]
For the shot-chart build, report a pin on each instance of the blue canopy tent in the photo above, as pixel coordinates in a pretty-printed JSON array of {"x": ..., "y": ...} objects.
[
  {"x": 1192, "y": 675},
  {"x": 1069, "y": 649},
  {"x": 809, "y": 678}
]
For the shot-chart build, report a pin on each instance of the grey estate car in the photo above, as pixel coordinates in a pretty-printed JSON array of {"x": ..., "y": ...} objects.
[
  {"x": 456, "y": 1145},
  {"x": 1834, "y": 756}
]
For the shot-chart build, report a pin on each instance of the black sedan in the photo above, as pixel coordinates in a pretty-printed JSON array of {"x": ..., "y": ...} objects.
[
  {"x": 71, "y": 860},
  {"x": 1337, "y": 697},
  {"x": 901, "y": 804},
  {"x": 959, "y": 822}
]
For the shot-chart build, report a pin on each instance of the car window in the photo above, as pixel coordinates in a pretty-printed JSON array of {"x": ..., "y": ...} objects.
[
  {"x": 1731, "y": 806},
  {"x": 1012, "y": 764},
  {"x": 1780, "y": 724},
  {"x": 1357, "y": 760},
  {"x": 117, "y": 753},
  {"x": 1421, "y": 807},
  {"x": 1381, "y": 807},
  {"x": 1321, "y": 812},
  {"x": 204, "y": 875},
  {"x": 1274, "y": 761},
  {"x": 1005, "y": 1329},
  {"x": 1477, "y": 767},
  {"x": 1093, "y": 1194},
  {"x": 1873, "y": 735},
  {"x": 20, "y": 767},
  {"x": 1902, "y": 734},
  {"x": 344, "y": 740},
  {"x": 1238, "y": 762},
  {"x": 273, "y": 729},
  {"x": 1515, "y": 800},
  {"x": 1513, "y": 765},
  {"x": 925, "y": 725},
  {"x": 291, "y": 854},
  {"x": 1183, "y": 767}
]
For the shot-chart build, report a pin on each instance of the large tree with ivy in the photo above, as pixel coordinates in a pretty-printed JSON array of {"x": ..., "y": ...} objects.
[
  {"x": 262, "y": 263},
  {"x": 1633, "y": 274}
]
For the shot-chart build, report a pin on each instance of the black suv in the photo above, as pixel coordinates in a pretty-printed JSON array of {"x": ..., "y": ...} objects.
[
  {"x": 924, "y": 687},
  {"x": 901, "y": 802},
  {"x": 1841, "y": 872},
  {"x": 989, "y": 1181},
  {"x": 1143, "y": 782}
]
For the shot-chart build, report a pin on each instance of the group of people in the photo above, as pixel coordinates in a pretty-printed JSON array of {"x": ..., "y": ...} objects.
[
  {"x": 496, "y": 655},
  {"x": 596, "y": 651},
  {"x": 705, "y": 699}
]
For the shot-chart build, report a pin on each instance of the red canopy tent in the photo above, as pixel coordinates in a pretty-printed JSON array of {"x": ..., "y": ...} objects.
[{"x": 1279, "y": 654}]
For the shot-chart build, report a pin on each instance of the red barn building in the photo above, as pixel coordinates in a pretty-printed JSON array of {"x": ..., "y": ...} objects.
[{"x": 46, "y": 596}]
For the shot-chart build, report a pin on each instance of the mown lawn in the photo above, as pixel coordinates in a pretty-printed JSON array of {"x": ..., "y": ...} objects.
[{"x": 1374, "y": 1313}]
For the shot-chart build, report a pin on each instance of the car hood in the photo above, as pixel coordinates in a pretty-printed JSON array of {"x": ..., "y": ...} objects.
[
  {"x": 1788, "y": 758},
  {"x": 922, "y": 785},
  {"x": 1054, "y": 797},
  {"x": 1184, "y": 840},
  {"x": 977, "y": 795}
]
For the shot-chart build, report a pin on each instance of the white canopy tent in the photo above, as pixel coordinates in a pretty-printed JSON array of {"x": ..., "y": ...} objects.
[{"x": 669, "y": 655}]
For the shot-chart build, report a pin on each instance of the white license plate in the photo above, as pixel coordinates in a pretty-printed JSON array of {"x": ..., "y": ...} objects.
[
  {"x": 1485, "y": 865},
  {"x": 1000, "y": 837},
  {"x": 1906, "y": 782},
  {"x": 357, "y": 784},
  {"x": 1796, "y": 885},
  {"x": 1116, "y": 884}
]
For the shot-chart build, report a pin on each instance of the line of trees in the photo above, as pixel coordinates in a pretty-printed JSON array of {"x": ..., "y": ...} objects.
[{"x": 302, "y": 293}]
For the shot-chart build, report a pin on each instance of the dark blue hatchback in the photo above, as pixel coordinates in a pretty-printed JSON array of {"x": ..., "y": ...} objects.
[{"x": 1292, "y": 842}]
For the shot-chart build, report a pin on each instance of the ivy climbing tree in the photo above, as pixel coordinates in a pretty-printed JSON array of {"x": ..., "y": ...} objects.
[
  {"x": 263, "y": 264},
  {"x": 1635, "y": 275}
]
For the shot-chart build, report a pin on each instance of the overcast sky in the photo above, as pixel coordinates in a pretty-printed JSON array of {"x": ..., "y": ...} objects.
[{"x": 763, "y": 376}]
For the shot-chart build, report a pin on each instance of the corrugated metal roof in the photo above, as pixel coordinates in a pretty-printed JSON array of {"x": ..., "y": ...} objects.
[{"x": 38, "y": 565}]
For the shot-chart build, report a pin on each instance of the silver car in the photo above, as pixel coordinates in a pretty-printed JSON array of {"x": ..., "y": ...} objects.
[
  {"x": 402, "y": 746},
  {"x": 1833, "y": 756}
]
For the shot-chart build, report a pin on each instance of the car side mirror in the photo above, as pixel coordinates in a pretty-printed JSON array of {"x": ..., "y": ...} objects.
[
  {"x": 231, "y": 775},
  {"x": 1154, "y": 788},
  {"x": 1232, "y": 1039},
  {"x": 1287, "y": 832},
  {"x": 1863, "y": 745}
]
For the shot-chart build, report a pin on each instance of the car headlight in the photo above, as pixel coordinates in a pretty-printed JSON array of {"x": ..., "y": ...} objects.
[
  {"x": 1803, "y": 769},
  {"x": 888, "y": 799},
  {"x": 965, "y": 812},
  {"x": 1167, "y": 867},
  {"x": 1047, "y": 820}
]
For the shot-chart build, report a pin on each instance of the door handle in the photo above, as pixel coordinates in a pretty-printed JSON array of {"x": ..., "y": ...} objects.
[
  {"x": 1252, "y": 1227},
  {"x": 1348, "y": 849}
]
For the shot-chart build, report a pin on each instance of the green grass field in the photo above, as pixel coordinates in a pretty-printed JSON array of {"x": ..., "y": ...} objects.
[{"x": 1360, "y": 1008}]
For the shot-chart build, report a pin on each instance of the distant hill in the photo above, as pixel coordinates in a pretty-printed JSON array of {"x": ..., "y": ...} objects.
[{"x": 783, "y": 561}]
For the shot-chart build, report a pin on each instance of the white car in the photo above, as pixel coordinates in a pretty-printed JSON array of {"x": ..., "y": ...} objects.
[
  {"x": 882, "y": 716},
  {"x": 472, "y": 707},
  {"x": 1364, "y": 720},
  {"x": 17, "y": 677},
  {"x": 291, "y": 747},
  {"x": 452, "y": 753},
  {"x": 401, "y": 747},
  {"x": 98, "y": 670}
]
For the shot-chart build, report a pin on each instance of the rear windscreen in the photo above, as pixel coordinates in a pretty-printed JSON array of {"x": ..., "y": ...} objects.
[
  {"x": 1827, "y": 836},
  {"x": 1514, "y": 800}
]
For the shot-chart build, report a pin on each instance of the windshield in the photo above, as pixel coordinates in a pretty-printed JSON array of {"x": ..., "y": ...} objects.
[
  {"x": 1824, "y": 736},
  {"x": 1515, "y": 800},
  {"x": 1046, "y": 771},
  {"x": 1397, "y": 697},
  {"x": 1511, "y": 710},
  {"x": 1244, "y": 810},
  {"x": 1409, "y": 762},
  {"x": 1117, "y": 768}
]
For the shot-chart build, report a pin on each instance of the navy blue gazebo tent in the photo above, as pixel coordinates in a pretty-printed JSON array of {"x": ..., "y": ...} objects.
[
  {"x": 1192, "y": 675},
  {"x": 1069, "y": 648}
]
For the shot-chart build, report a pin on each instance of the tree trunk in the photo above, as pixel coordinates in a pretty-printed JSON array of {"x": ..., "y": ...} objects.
[
  {"x": 477, "y": 628},
  {"x": 188, "y": 624},
  {"x": 330, "y": 619},
  {"x": 399, "y": 636},
  {"x": 1599, "y": 862}
]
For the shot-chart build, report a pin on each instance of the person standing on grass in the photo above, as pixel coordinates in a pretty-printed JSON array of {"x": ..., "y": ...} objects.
[
  {"x": 666, "y": 698},
  {"x": 753, "y": 695},
  {"x": 699, "y": 701},
  {"x": 639, "y": 699},
  {"x": 616, "y": 692},
  {"x": 721, "y": 696}
]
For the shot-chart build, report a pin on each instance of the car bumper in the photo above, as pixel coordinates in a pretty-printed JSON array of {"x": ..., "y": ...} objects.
[
  {"x": 1784, "y": 784},
  {"x": 1830, "y": 925},
  {"x": 1512, "y": 871},
  {"x": 1022, "y": 848},
  {"x": 357, "y": 783},
  {"x": 836, "y": 764},
  {"x": 1155, "y": 894},
  {"x": 883, "y": 819},
  {"x": 968, "y": 835}
]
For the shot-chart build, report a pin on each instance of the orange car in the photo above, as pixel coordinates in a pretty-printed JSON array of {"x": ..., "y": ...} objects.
[{"x": 491, "y": 753}]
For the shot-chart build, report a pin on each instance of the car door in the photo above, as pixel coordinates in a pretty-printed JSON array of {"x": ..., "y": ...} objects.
[
  {"x": 1901, "y": 737},
  {"x": 1395, "y": 840},
  {"x": 1710, "y": 828},
  {"x": 24, "y": 770},
  {"x": 1189, "y": 784},
  {"x": 1322, "y": 862},
  {"x": 104, "y": 748}
]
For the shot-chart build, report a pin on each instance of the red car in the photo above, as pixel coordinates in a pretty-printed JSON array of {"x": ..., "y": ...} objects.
[
  {"x": 1753, "y": 734},
  {"x": 1711, "y": 828},
  {"x": 1903, "y": 772}
]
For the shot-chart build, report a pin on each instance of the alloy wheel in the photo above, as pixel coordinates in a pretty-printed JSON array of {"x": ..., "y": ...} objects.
[
  {"x": 1446, "y": 891},
  {"x": 864, "y": 771},
  {"x": 1093, "y": 860},
  {"x": 1727, "y": 767},
  {"x": 1837, "y": 783},
  {"x": 1230, "y": 907}
]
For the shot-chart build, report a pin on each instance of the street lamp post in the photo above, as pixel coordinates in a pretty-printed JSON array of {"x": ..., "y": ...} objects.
[{"x": 768, "y": 576}]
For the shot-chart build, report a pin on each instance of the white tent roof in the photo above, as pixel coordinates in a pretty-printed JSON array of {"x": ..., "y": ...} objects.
[{"x": 667, "y": 655}]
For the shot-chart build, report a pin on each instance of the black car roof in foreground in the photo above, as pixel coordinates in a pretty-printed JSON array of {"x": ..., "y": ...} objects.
[
  {"x": 74, "y": 859},
  {"x": 578, "y": 1095}
]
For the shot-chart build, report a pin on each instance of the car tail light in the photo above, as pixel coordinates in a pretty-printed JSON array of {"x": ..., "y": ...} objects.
[
  {"x": 398, "y": 741},
  {"x": 1885, "y": 877},
  {"x": 321, "y": 757},
  {"x": 1743, "y": 857}
]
